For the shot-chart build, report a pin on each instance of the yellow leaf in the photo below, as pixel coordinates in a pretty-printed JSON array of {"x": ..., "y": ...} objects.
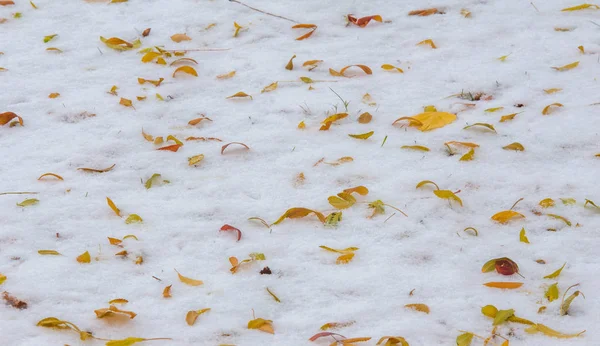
[
  {"x": 560, "y": 218},
  {"x": 50, "y": 175},
  {"x": 546, "y": 203},
  {"x": 503, "y": 58},
  {"x": 239, "y": 94},
  {"x": 567, "y": 66},
  {"x": 551, "y": 332},
  {"x": 419, "y": 307},
  {"x": 273, "y": 295},
  {"x": 425, "y": 182},
  {"x": 84, "y": 258},
  {"x": 189, "y": 281},
  {"x": 465, "y": 338},
  {"x": 183, "y": 61},
  {"x": 2, "y": 278},
  {"x": 504, "y": 284},
  {"x": 587, "y": 201},
  {"x": 49, "y": 38},
  {"x": 269, "y": 87},
  {"x": 186, "y": 69},
  {"x": 53, "y": 95},
  {"x": 126, "y": 102},
  {"x": 306, "y": 80},
  {"x": 153, "y": 82},
  {"x": 54, "y": 49},
  {"x": 118, "y": 301},
  {"x": 447, "y": 194},
  {"x": 495, "y": 109},
  {"x": 112, "y": 206},
  {"x": 555, "y": 273},
  {"x": 508, "y": 117},
  {"x": 261, "y": 324},
  {"x": 514, "y": 146},
  {"x": 119, "y": 44},
  {"x": 389, "y": 67},
  {"x": 552, "y": 292},
  {"x": 167, "y": 292},
  {"x": 340, "y": 251},
  {"x": 488, "y": 126},
  {"x": 428, "y": 121},
  {"x": 133, "y": 218},
  {"x": 290, "y": 64},
  {"x": 94, "y": 170},
  {"x": 568, "y": 201},
  {"x": 548, "y": 109},
  {"x": 28, "y": 202},
  {"x": 345, "y": 200},
  {"x": 49, "y": 252},
  {"x": 191, "y": 316},
  {"x": 344, "y": 259},
  {"x": 33, "y": 5},
  {"x": 313, "y": 27},
  {"x": 334, "y": 118},
  {"x": 428, "y": 42},
  {"x": 237, "y": 29},
  {"x": 581, "y": 49},
  {"x": 148, "y": 57},
  {"x": 195, "y": 159},
  {"x": 415, "y": 147},
  {"x": 552, "y": 90},
  {"x": 581, "y": 7},
  {"x": 158, "y": 140},
  {"x": 226, "y": 75},
  {"x": 363, "y": 135},
  {"x": 471, "y": 229},
  {"x": 180, "y": 37},
  {"x": 129, "y": 341},
  {"x": 465, "y": 144},
  {"x": 523, "y": 237},
  {"x": 507, "y": 215},
  {"x": 295, "y": 213},
  {"x": 469, "y": 156},
  {"x": 301, "y": 125}
]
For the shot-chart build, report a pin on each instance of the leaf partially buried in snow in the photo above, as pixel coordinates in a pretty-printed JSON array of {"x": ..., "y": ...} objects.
[
  {"x": 133, "y": 218},
  {"x": 550, "y": 332},
  {"x": 362, "y": 22},
  {"x": 96, "y": 170},
  {"x": 447, "y": 194},
  {"x": 112, "y": 206},
  {"x": 49, "y": 252},
  {"x": 8, "y": 116},
  {"x": 503, "y": 284},
  {"x": 508, "y": 117},
  {"x": 186, "y": 69},
  {"x": 464, "y": 339},
  {"x": 192, "y": 316},
  {"x": 28, "y": 202},
  {"x": 313, "y": 27},
  {"x": 419, "y": 307},
  {"x": 226, "y": 75},
  {"x": 427, "y": 42},
  {"x": 189, "y": 281},
  {"x": 119, "y": 44},
  {"x": 523, "y": 237},
  {"x": 230, "y": 228},
  {"x": 485, "y": 125},
  {"x": 194, "y": 160},
  {"x": 290, "y": 64},
  {"x": 270, "y": 87},
  {"x": 262, "y": 325},
  {"x": 469, "y": 156},
  {"x": 555, "y": 273},
  {"x": 552, "y": 292},
  {"x": 228, "y": 144},
  {"x": 295, "y": 213},
  {"x": 514, "y": 146},
  {"x": 130, "y": 341},
  {"x": 428, "y": 121},
  {"x": 507, "y": 215},
  {"x": 114, "y": 311},
  {"x": 238, "y": 95},
  {"x": 84, "y": 257},
  {"x": 415, "y": 147}
]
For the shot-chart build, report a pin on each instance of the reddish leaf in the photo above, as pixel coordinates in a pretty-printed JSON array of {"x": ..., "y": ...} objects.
[
  {"x": 228, "y": 144},
  {"x": 324, "y": 334},
  {"x": 506, "y": 267},
  {"x": 362, "y": 22},
  {"x": 8, "y": 116},
  {"x": 172, "y": 148},
  {"x": 227, "y": 227}
]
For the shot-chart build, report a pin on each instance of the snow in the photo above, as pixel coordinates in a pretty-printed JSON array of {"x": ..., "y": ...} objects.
[{"x": 181, "y": 220}]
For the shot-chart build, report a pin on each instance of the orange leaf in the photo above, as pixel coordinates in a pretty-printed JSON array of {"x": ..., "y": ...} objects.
[
  {"x": 365, "y": 68},
  {"x": 172, "y": 148},
  {"x": 6, "y": 2},
  {"x": 112, "y": 206},
  {"x": 548, "y": 109},
  {"x": 126, "y": 102},
  {"x": 167, "y": 292},
  {"x": 305, "y": 26},
  {"x": 507, "y": 215},
  {"x": 53, "y": 95},
  {"x": 228, "y": 144},
  {"x": 197, "y": 121},
  {"x": 427, "y": 42},
  {"x": 362, "y": 22},
  {"x": 423, "y": 13},
  {"x": 296, "y": 213},
  {"x": 507, "y": 285},
  {"x": 389, "y": 67},
  {"x": 419, "y": 307},
  {"x": 186, "y": 69},
  {"x": 361, "y": 190},
  {"x": 239, "y": 94},
  {"x": 226, "y": 75},
  {"x": 51, "y": 175},
  {"x": 180, "y": 37},
  {"x": 227, "y": 227},
  {"x": 188, "y": 281},
  {"x": 8, "y": 116}
]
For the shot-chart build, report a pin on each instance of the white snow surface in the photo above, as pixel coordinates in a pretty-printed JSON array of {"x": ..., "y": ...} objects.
[{"x": 426, "y": 251}]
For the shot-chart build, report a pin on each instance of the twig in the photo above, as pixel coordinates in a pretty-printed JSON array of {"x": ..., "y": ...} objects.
[
  {"x": 198, "y": 50},
  {"x": 534, "y": 7},
  {"x": 19, "y": 193},
  {"x": 267, "y": 13},
  {"x": 389, "y": 217},
  {"x": 594, "y": 23}
]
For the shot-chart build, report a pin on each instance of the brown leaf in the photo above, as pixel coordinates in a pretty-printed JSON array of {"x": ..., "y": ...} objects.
[
  {"x": 228, "y": 144},
  {"x": 290, "y": 64},
  {"x": 146, "y": 32},
  {"x": 13, "y": 301}
]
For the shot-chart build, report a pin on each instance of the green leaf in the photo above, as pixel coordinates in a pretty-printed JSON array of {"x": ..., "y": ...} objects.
[
  {"x": 552, "y": 292},
  {"x": 28, "y": 202},
  {"x": 464, "y": 339},
  {"x": 49, "y": 38},
  {"x": 257, "y": 256},
  {"x": 489, "y": 266},
  {"x": 556, "y": 273},
  {"x": 155, "y": 178},
  {"x": 568, "y": 201},
  {"x": 523, "y": 237},
  {"x": 2, "y": 278},
  {"x": 502, "y": 316}
]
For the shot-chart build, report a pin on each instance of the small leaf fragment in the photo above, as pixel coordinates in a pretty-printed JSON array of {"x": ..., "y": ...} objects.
[
  {"x": 239, "y": 94},
  {"x": 180, "y": 37},
  {"x": 469, "y": 156},
  {"x": 192, "y": 316},
  {"x": 84, "y": 258},
  {"x": 427, "y": 42},
  {"x": 95, "y": 170},
  {"x": 167, "y": 292},
  {"x": 523, "y": 237},
  {"x": 49, "y": 252},
  {"x": 555, "y": 273},
  {"x": 514, "y": 146},
  {"x": 189, "y": 281},
  {"x": 194, "y": 160},
  {"x": 273, "y": 295},
  {"x": 363, "y": 135},
  {"x": 488, "y": 126},
  {"x": 389, "y": 67},
  {"x": 133, "y": 218},
  {"x": 186, "y": 69},
  {"x": 503, "y": 284},
  {"x": 419, "y": 307},
  {"x": 567, "y": 66},
  {"x": 415, "y": 147}
]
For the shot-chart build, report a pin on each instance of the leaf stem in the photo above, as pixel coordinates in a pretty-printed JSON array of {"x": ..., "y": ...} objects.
[{"x": 261, "y": 11}]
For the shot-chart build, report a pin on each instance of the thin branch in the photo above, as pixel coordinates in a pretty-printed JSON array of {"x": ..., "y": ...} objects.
[
  {"x": 19, "y": 193},
  {"x": 267, "y": 13}
]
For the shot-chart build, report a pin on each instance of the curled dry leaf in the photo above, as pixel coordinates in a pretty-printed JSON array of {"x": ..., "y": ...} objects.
[
  {"x": 514, "y": 146},
  {"x": 502, "y": 265},
  {"x": 259, "y": 220},
  {"x": 172, "y": 148},
  {"x": 226, "y": 228},
  {"x": 363, "y": 135},
  {"x": 562, "y": 218},
  {"x": 50, "y": 175},
  {"x": 523, "y": 237},
  {"x": 167, "y": 292},
  {"x": 146, "y": 32},
  {"x": 581, "y": 7},
  {"x": 262, "y": 325},
  {"x": 419, "y": 307},
  {"x": 366, "y": 69},
  {"x": 508, "y": 117},
  {"x": 180, "y": 37},
  {"x": 389, "y": 67},
  {"x": 238, "y": 95},
  {"x": 428, "y": 42},
  {"x": 192, "y": 316},
  {"x": 6, "y": 2},
  {"x": 95, "y": 170},
  {"x": 228, "y": 144},
  {"x": 423, "y": 13},
  {"x": 188, "y": 281},
  {"x": 53, "y": 95},
  {"x": 198, "y": 120},
  {"x": 567, "y": 66},
  {"x": 118, "y": 301},
  {"x": 313, "y": 28},
  {"x": 119, "y": 44},
  {"x": 507, "y": 215},
  {"x": 237, "y": 28},
  {"x": 184, "y": 61},
  {"x": 186, "y": 69},
  {"x": 133, "y": 218},
  {"x": 153, "y": 82},
  {"x": 113, "y": 311},
  {"x": 270, "y": 87},
  {"x": 550, "y": 108},
  {"x": 126, "y": 102},
  {"x": 8, "y": 116},
  {"x": 447, "y": 194},
  {"x": 112, "y": 206},
  {"x": 336, "y": 325},
  {"x": 503, "y": 284},
  {"x": 362, "y": 22},
  {"x": 273, "y": 295},
  {"x": 290, "y": 64},
  {"x": 296, "y": 213},
  {"x": 485, "y": 125},
  {"x": 392, "y": 341}
]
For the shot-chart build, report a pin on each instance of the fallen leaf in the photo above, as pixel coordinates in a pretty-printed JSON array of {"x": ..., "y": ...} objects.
[
  {"x": 84, "y": 258},
  {"x": 295, "y": 213},
  {"x": 464, "y": 339},
  {"x": 313, "y": 28},
  {"x": 415, "y": 147},
  {"x": 566, "y": 303},
  {"x": 447, "y": 194},
  {"x": 392, "y": 341},
  {"x": 28, "y": 202},
  {"x": 153, "y": 82},
  {"x": 228, "y": 144},
  {"x": 344, "y": 259},
  {"x": 301, "y": 125},
  {"x": 362, "y": 22},
  {"x": 112, "y": 206},
  {"x": 503, "y": 58},
  {"x": 50, "y": 175},
  {"x": 581, "y": 7},
  {"x": 423, "y": 13},
  {"x": 551, "y": 332},
  {"x": 186, "y": 69},
  {"x": 119, "y": 44},
  {"x": 508, "y": 117},
  {"x": 130, "y": 341},
  {"x": 167, "y": 292},
  {"x": 118, "y": 301},
  {"x": 8, "y": 116},
  {"x": 269, "y": 88},
  {"x": 340, "y": 251},
  {"x": 502, "y": 265},
  {"x": 552, "y": 292},
  {"x": 428, "y": 121},
  {"x": 226, "y": 75},
  {"x": 469, "y": 156},
  {"x": 491, "y": 110},
  {"x": 184, "y": 61},
  {"x": 49, "y": 38},
  {"x": 363, "y": 135},
  {"x": 552, "y": 91},
  {"x": 237, "y": 28},
  {"x": 507, "y": 215},
  {"x": 192, "y": 316},
  {"x": 488, "y": 126},
  {"x": 49, "y": 252},
  {"x": 54, "y": 49},
  {"x": 389, "y": 67},
  {"x": 290, "y": 64},
  {"x": 14, "y": 301},
  {"x": 262, "y": 325},
  {"x": 180, "y": 37},
  {"x": 502, "y": 316},
  {"x": 419, "y": 307},
  {"x": 548, "y": 109},
  {"x": 567, "y": 66},
  {"x": 523, "y": 237},
  {"x": 503, "y": 284},
  {"x": 227, "y": 227},
  {"x": 239, "y": 94},
  {"x": 194, "y": 160},
  {"x": 6, "y": 2},
  {"x": 172, "y": 148},
  {"x": 273, "y": 295},
  {"x": 365, "y": 118},
  {"x": 2, "y": 278},
  {"x": 189, "y": 281},
  {"x": 95, "y": 170},
  {"x": 514, "y": 146},
  {"x": 366, "y": 69},
  {"x": 558, "y": 217},
  {"x": 133, "y": 218},
  {"x": 126, "y": 102},
  {"x": 555, "y": 273},
  {"x": 146, "y": 32},
  {"x": 114, "y": 311},
  {"x": 53, "y": 95},
  {"x": 427, "y": 42}
]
